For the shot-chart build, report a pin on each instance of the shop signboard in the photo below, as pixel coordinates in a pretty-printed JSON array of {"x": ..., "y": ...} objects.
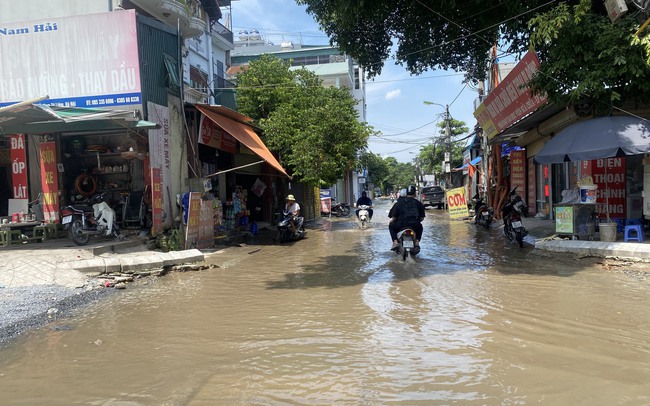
[
  {"x": 86, "y": 60},
  {"x": 457, "y": 203},
  {"x": 518, "y": 171},
  {"x": 156, "y": 202},
  {"x": 511, "y": 100},
  {"x": 19, "y": 166},
  {"x": 564, "y": 220},
  {"x": 193, "y": 226},
  {"x": 206, "y": 225},
  {"x": 609, "y": 175},
  {"x": 160, "y": 148},
  {"x": 214, "y": 136},
  {"x": 49, "y": 182}
]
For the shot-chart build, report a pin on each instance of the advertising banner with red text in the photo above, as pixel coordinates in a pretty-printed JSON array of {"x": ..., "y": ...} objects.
[
  {"x": 214, "y": 136},
  {"x": 192, "y": 228},
  {"x": 19, "y": 166},
  {"x": 518, "y": 171},
  {"x": 49, "y": 182},
  {"x": 457, "y": 203},
  {"x": 511, "y": 100},
  {"x": 156, "y": 201},
  {"x": 609, "y": 175}
]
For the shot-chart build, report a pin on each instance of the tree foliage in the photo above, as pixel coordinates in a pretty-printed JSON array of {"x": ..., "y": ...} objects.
[
  {"x": 400, "y": 174},
  {"x": 314, "y": 129},
  {"x": 584, "y": 57},
  {"x": 376, "y": 167},
  {"x": 432, "y": 156},
  {"x": 443, "y": 34}
]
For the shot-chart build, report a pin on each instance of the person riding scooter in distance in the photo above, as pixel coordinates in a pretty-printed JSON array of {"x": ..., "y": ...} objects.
[
  {"x": 294, "y": 208},
  {"x": 407, "y": 212},
  {"x": 364, "y": 200}
]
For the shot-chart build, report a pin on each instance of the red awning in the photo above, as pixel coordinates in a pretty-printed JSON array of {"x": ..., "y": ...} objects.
[{"x": 234, "y": 124}]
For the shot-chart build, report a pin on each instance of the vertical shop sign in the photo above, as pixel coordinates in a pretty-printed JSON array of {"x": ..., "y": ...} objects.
[
  {"x": 160, "y": 149},
  {"x": 518, "y": 171},
  {"x": 457, "y": 203},
  {"x": 193, "y": 221},
  {"x": 609, "y": 175},
  {"x": 206, "y": 228},
  {"x": 19, "y": 166},
  {"x": 532, "y": 191},
  {"x": 156, "y": 202},
  {"x": 49, "y": 182}
]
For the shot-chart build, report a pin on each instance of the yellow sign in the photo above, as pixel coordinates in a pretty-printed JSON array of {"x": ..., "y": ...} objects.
[{"x": 457, "y": 203}]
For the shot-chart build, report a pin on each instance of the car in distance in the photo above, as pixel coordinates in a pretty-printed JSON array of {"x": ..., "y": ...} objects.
[{"x": 433, "y": 196}]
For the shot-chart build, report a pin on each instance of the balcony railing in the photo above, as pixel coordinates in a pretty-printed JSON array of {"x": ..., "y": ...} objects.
[{"x": 223, "y": 32}]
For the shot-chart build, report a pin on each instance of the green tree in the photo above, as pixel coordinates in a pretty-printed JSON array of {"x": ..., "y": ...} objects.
[
  {"x": 377, "y": 168},
  {"x": 400, "y": 174},
  {"x": 432, "y": 156},
  {"x": 450, "y": 34},
  {"x": 314, "y": 129},
  {"x": 586, "y": 58}
]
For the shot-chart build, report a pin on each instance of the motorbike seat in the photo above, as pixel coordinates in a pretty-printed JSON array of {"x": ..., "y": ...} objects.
[{"x": 81, "y": 208}]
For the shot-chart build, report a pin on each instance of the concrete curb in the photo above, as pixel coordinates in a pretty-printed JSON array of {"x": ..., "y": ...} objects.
[
  {"x": 134, "y": 262},
  {"x": 597, "y": 248}
]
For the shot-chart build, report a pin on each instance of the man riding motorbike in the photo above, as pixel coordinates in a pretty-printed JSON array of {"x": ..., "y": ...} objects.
[
  {"x": 293, "y": 208},
  {"x": 406, "y": 212},
  {"x": 364, "y": 200}
]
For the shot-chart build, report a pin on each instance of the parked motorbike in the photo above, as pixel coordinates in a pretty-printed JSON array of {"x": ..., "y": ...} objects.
[
  {"x": 483, "y": 215},
  {"x": 364, "y": 216},
  {"x": 341, "y": 209},
  {"x": 512, "y": 213},
  {"x": 83, "y": 221},
  {"x": 406, "y": 240},
  {"x": 284, "y": 229}
]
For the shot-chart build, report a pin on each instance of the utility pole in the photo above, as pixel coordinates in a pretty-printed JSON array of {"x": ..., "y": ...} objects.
[{"x": 448, "y": 141}]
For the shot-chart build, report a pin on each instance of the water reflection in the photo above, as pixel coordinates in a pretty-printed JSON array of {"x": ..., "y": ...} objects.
[{"x": 339, "y": 319}]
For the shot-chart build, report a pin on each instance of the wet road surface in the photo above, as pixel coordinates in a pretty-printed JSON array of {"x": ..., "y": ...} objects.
[{"x": 339, "y": 319}]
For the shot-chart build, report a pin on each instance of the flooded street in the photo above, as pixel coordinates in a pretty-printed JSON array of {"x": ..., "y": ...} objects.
[{"x": 339, "y": 319}]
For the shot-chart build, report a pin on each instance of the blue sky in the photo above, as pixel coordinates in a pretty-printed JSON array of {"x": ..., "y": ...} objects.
[{"x": 395, "y": 99}]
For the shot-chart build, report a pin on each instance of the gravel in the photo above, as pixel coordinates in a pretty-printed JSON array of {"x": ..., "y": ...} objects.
[{"x": 26, "y": 308}]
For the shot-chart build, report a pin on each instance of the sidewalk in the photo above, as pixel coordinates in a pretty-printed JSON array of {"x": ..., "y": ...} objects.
[
  {"x": 543, "y": 232},
  {"x": 61, "y": 262}
]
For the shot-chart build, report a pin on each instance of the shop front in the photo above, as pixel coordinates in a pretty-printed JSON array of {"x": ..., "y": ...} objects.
[
  {"x": 601, "y": 160},
  {"x": 238, "y": 170}
]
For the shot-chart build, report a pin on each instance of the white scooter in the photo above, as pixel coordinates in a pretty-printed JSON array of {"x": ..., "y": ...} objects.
[
  {"x": 364, "y": 216},
  {"x": 83, "y": 221}
]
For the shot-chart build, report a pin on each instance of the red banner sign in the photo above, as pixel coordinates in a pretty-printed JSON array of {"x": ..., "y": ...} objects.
[
  {"x": 156, "y": 201},
  {"x": 609, "y": 175},
  {"x": 214, "y": 136},
  {"x": 193, "y": 226},
  {"x": 518, "y": 171},
  {"x": 49, "y": 182},
  {"x": 19, "y": 166},
  {"x": 511, "y": 100}
]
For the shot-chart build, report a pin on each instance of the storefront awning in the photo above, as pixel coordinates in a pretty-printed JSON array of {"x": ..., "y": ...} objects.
[
  {"x": 31, "y": 118},
  {"x": 229, "y": 121}
]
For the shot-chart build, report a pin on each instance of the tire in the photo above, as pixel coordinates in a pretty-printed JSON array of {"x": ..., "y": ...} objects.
[
  {"x": 76, "y": 235},
  {"x": 405, "y": 253},
  {"x": 488, "y": 223},
  {"x": 439, "y": 206},
  {"x": 345, "y": 210},
  {"x": 336, "y": 211},
  {"x": 508, "y": 233},
  {"x": 519, "y": 236}
]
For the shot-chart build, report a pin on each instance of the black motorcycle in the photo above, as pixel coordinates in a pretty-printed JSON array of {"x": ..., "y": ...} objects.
[
  {"x": 512, "y": 213},
  {"x": 284, "y": 228},
  {"x": 341, "y": 209},
  {"x": 483, "y": 214},
  {"x": 83, "y": 220},
  {"x": 406, "y": 247}
]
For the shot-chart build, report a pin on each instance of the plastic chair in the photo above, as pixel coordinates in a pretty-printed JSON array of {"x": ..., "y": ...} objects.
[
  {"x": 620, "y": 224},
  {"x": 637, "y": 229},
  {"x": 633, "y": 222}
]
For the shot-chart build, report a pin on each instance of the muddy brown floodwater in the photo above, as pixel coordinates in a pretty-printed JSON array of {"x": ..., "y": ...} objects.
[{"x": 337, "y": 319}]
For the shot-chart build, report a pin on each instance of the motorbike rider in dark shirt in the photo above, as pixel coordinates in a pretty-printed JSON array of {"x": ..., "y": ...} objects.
[
  {"x": 364, "y": 200},
  {"x": 406, "y": 212}
]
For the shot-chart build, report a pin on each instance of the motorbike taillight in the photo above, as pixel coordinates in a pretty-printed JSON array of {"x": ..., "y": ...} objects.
[
  {"x": 65, "y": 212},
  {"x": 408, "y": 232},
  {"x": 515, "y": 216}
]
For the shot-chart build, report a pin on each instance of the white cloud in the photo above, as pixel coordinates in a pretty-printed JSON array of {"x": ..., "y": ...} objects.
[{"x": 393, "y": 94}]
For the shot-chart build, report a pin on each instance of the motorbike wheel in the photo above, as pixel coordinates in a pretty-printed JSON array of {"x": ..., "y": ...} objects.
[
  {"x": 508, "y": 233},
  {"x": 76, "y": 235},
  {"x": 336, "y": 211},
  {"x": 519, "y": 236},
  {"x": 345, "y": 210},
  {"x": 488, "y": 223},
  {"x": 405, "y": 254}
]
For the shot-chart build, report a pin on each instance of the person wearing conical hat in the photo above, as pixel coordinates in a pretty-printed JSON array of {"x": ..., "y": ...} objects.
[{"x": 294, "y": 208}]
